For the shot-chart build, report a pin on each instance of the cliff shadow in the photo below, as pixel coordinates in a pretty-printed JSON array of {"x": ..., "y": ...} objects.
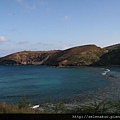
[{"x": 110, "y": 58}]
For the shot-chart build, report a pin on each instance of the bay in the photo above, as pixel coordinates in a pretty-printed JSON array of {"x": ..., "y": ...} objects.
[{"x": 42, "y": 84}]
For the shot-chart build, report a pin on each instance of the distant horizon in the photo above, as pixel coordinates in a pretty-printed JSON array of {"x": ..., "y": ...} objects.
[{"x": 43, "y": 25}]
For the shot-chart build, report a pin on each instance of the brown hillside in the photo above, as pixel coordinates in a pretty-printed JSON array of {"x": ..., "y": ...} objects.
[
  {"x": 27, "y": 57},
  {"x": 76, "y": 56}
]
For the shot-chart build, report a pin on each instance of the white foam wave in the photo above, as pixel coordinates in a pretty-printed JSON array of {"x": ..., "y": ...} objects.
[{"x": 105, "y": 72}]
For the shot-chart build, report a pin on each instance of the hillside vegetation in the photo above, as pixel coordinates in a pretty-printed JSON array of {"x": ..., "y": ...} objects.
[
  {"x": 77, "y": 56},
  {"x": 94, "y": 107}
]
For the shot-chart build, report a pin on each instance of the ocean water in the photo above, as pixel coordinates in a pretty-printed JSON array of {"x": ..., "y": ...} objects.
[{"x": 42, "y": 84}]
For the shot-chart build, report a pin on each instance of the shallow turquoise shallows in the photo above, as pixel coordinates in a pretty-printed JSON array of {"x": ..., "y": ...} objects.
[{"x": 42, "y": 84}]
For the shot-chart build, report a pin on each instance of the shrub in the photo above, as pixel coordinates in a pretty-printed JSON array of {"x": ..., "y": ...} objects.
[
  {"x": 23, "y": 102},
  {"x": 93, "y": 108}
]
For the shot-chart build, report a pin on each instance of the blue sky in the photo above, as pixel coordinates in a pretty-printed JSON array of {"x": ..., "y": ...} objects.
[{"x": 57, "y": 24}]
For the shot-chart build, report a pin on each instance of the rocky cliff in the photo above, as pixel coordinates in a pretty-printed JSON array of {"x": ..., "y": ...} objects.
[
  {"x": 112, "y": 57},
  {"x": 77, "y": 56}
]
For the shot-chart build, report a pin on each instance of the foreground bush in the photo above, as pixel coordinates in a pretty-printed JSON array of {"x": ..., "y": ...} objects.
[
  {"x": 95, "y": 107},
  {"x": 5, "y": 108}
]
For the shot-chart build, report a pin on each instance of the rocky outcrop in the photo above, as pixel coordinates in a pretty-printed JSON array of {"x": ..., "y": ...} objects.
[
  {"x": 112, "y": 57},
  {"x": 77, "y": 56}
]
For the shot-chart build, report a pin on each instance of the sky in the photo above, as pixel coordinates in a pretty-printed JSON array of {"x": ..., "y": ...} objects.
[{"x": 41, "y": 25}]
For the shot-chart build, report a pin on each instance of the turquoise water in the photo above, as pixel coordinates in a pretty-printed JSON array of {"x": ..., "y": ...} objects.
[{"x": 43, "y": 84}]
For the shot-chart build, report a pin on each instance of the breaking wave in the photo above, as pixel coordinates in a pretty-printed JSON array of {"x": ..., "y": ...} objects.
[{"x": 106, "y": 71}]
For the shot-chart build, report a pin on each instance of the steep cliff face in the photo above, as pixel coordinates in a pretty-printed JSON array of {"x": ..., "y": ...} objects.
[
  {"x": 77, "y": 56},
  {"x": 112, "y": 57}
]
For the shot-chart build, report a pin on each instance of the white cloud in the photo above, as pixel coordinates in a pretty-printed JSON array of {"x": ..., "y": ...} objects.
[
  {"x": 22, "y": 42},
  {"x": 3, "y": 39},
  {"x": 44, "y": 44},
  {"x": 66, "y": 17}
]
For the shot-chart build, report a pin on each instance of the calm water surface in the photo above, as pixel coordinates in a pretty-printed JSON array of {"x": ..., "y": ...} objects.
[{"x": 42, "y": 84}]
